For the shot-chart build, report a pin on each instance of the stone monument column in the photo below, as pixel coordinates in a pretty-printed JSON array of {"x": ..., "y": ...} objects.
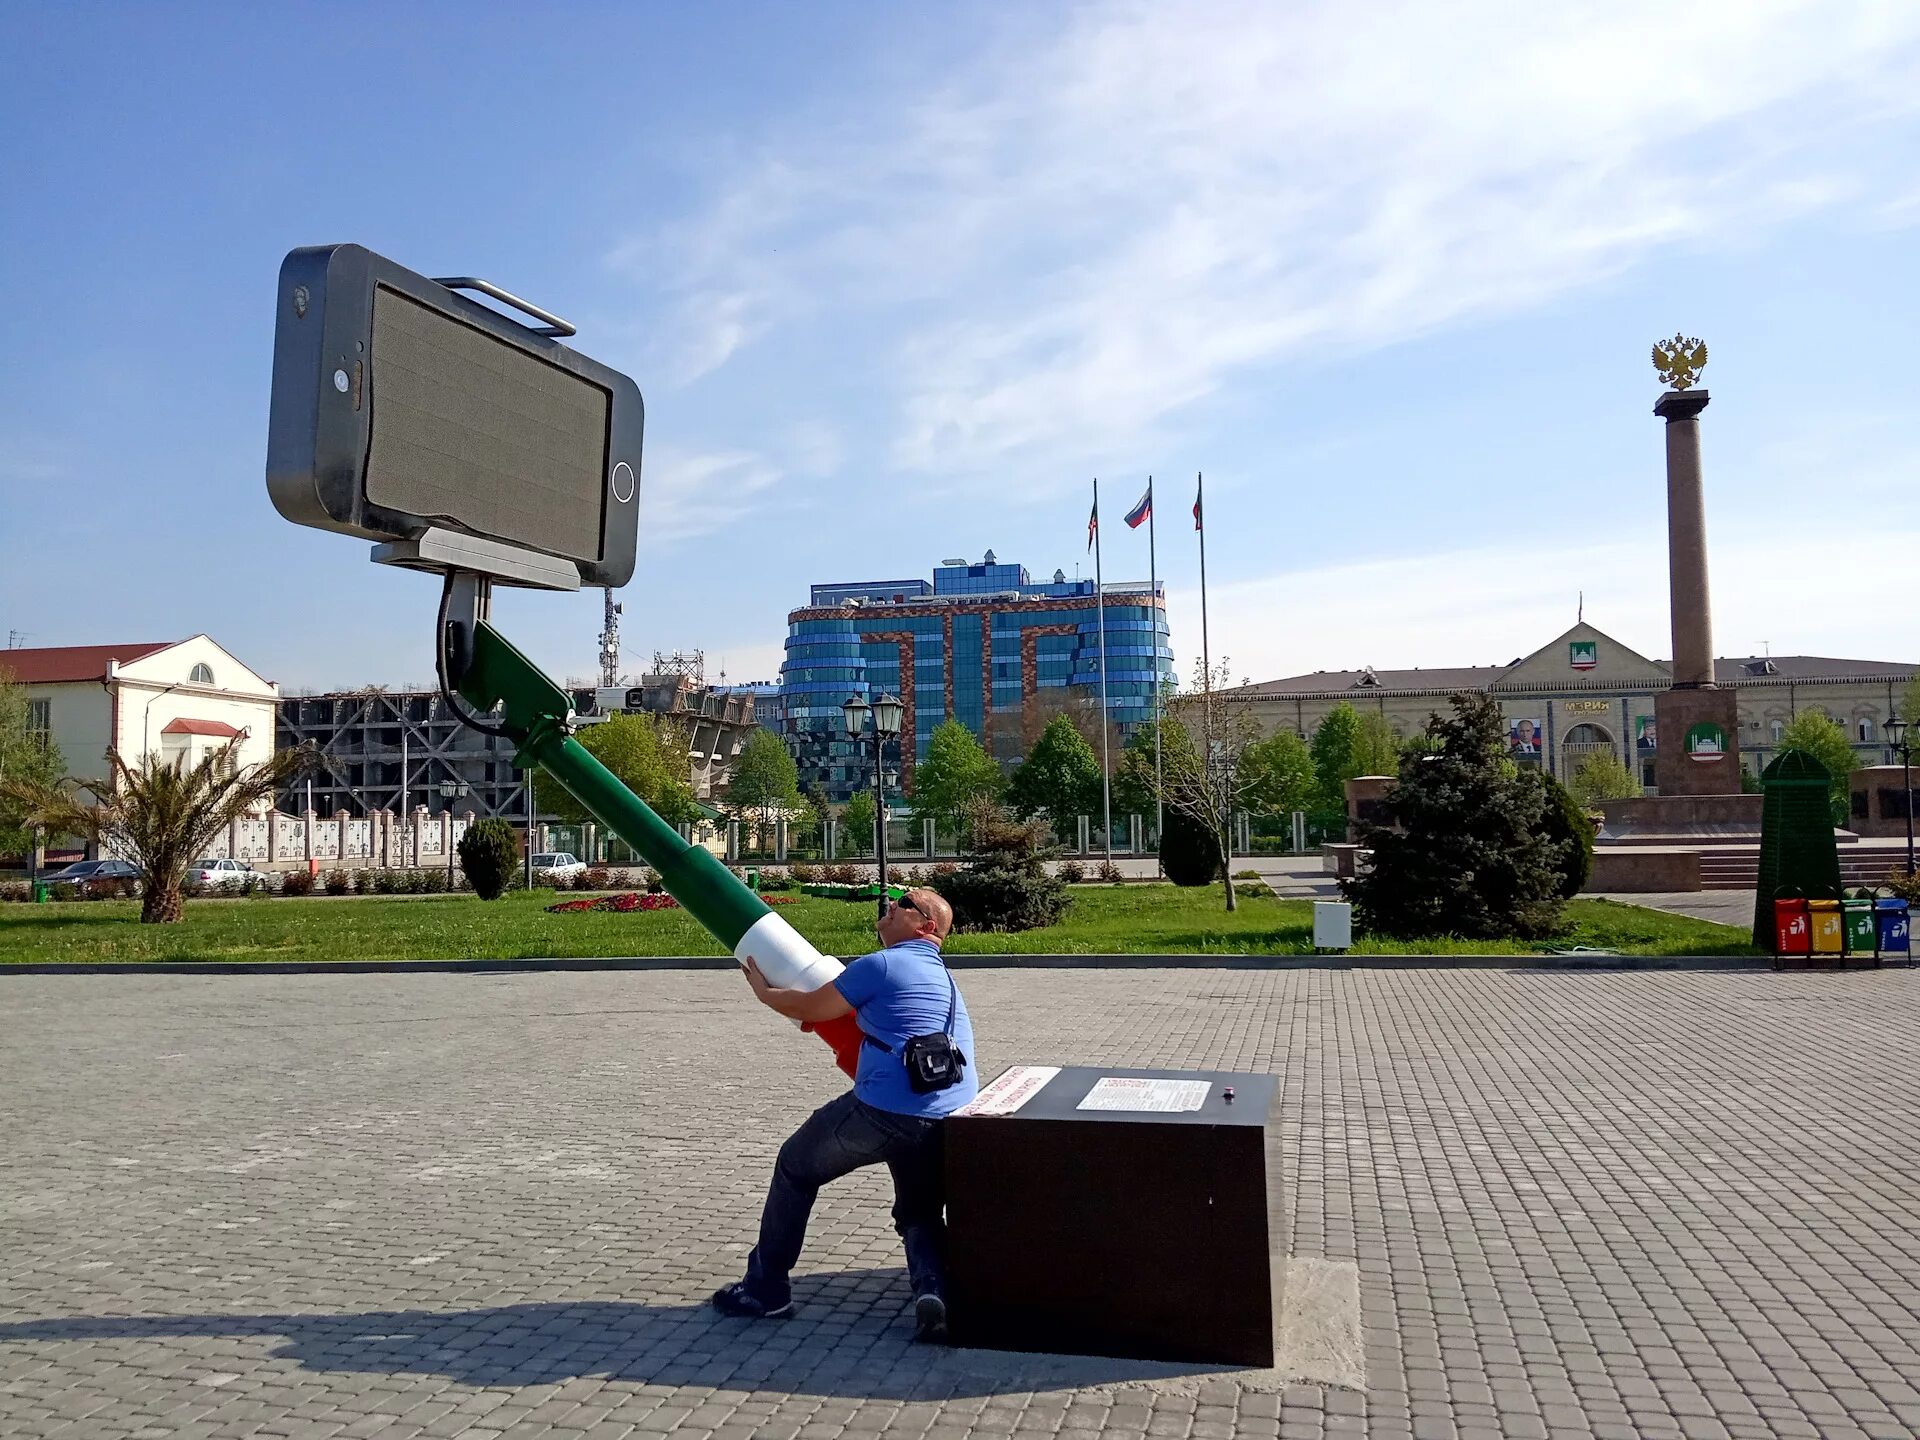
[
  {"x": 1698, "y": 734},
  {"x": 1689, "y": 600}
]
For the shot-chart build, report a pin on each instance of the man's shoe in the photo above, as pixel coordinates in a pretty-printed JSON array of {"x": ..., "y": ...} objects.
[
  {"x": 741, "y": 1304},
  {"x": 930, "y": 1320}
]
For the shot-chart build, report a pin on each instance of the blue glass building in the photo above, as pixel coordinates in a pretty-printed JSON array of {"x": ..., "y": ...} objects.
[{"x": 978, "y": 644}]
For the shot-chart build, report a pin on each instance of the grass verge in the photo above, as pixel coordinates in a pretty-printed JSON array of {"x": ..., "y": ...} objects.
[{"x": 1133, "y": 919}]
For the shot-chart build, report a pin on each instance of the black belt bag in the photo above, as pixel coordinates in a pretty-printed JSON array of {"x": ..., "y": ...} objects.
[{"x": 933, "y": 1062}]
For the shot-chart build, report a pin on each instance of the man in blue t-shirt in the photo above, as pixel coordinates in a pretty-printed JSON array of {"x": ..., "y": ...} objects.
[{"x": 896, "y": 993}]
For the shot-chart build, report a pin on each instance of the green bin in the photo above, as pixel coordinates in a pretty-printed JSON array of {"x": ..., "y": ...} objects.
[
  {"x": 1857, "y": 925},
  {"x": 42, "y": 891}
]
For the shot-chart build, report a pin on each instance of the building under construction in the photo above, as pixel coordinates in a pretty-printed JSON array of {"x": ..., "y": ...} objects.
[{"x": 395, "y": 749}]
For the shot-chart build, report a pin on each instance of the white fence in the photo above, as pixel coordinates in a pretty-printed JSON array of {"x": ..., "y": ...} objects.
[{"x": 382, "y": 839}]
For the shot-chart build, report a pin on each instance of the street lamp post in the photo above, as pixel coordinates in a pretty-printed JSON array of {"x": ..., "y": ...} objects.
[
  {"x": 887, "y": 714},
  {"x": 1896, "y": 729},
  {"x": 450, "y": 790}
]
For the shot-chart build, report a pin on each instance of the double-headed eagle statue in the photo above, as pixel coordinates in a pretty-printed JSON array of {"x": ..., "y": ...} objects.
[{"x": 1680, "y": 360}]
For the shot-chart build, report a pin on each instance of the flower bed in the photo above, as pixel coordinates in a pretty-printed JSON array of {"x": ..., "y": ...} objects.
[{"x": 626, "y": 904}]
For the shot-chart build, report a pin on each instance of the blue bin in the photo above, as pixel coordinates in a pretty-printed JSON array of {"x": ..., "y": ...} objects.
[{"x": 1895, "y": 936}]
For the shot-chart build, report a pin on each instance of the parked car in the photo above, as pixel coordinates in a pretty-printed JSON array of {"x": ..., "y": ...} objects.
[
  {"x": 82, "y": 870},
  {"x": 559, "y": 865},
  {"x": 213, "y": 871}
]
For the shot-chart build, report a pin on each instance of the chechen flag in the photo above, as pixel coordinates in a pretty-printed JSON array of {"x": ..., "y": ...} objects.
[
  {"x": 1137, "y": 516},
  {"x": 1093, "y": 523}
]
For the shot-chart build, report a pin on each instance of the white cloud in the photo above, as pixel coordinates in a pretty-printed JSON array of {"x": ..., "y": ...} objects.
[
  {"x": 1077, "y": 240},
  {"x": 688, "y": 494}
]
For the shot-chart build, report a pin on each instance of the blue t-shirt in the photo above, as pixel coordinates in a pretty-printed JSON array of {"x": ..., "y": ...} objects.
[{"x": 898, "y": 993}]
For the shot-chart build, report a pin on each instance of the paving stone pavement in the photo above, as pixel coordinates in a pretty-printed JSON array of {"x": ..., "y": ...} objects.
[{"x": 1598, "y": 1203}]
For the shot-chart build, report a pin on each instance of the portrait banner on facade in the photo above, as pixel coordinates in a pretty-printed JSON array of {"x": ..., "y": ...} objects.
[{"x": 1523, "y": 740}]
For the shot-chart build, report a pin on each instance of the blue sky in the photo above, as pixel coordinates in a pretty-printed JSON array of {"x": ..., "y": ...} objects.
[{"x": 897, "y": 281}]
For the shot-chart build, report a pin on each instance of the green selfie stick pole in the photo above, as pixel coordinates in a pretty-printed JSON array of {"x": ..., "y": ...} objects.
[{"x": 537, "y": 716}]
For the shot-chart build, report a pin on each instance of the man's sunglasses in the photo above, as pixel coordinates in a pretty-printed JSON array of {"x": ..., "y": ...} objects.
[{"x": 903, "y": 903}]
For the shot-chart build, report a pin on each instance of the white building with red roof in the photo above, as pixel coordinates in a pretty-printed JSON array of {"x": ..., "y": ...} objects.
[{"x": 179, "y": 699}]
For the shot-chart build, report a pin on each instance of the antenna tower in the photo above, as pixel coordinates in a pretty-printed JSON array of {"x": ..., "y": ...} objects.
[
  {"x": 610, "y": 641},
  {"x": 689, "y": 663}
]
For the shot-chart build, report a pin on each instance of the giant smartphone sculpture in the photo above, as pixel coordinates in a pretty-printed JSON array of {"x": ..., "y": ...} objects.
[{"x": 482, "y": 449}]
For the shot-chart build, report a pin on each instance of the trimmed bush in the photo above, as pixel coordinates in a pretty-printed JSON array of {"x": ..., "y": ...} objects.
[
  {"x": 15, "y": 890},
  {"x": 1110, "y": 873},
  {"x": 597, "y": 879},
  {"x": 296, "y": 882},
  {"x": 1567, "y": 822},
  {"x": 1071, "y": 871},
  {"x": 1189, "y": 850},
  {"x": 337, "y": 882},
  {"x": 1006, "y": 886},
  {"x": 802, "y": 873},
  {"x": 489, "y": 854}
]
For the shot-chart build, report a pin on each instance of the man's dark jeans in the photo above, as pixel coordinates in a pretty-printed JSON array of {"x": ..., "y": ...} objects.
[{"x": 837, "y": 1139}]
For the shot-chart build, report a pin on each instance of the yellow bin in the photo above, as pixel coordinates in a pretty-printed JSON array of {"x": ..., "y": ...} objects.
[{"x": 1827, "y": 931}]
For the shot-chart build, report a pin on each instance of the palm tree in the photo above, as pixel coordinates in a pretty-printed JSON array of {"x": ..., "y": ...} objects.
[{"x": 160, "y": 814}]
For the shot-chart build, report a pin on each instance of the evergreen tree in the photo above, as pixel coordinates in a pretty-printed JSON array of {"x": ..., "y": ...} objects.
[
  {"x": 1568, "y": 826},
  {"x": 1006, "y": 885},
  {"x": 1059, "y": 779},
  {"x": 1189, "y": 850},
  {"x": 489, "y": 857},
  {"x": 1472, "y": 854}
]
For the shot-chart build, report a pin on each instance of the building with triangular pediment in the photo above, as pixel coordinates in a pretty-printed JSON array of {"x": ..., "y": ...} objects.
[
  {"x": 178, "y": 699},
  {"x": 1585, "y": 692}
]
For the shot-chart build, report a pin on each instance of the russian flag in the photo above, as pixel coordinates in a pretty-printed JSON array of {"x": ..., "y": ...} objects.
[{"x": 1137, "y": 516}]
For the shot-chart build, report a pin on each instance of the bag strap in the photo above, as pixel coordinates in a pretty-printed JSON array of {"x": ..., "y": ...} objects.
[{"x": 953, "y": 1013}]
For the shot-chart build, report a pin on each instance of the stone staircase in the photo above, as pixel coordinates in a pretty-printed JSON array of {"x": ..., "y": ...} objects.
[{"x": 1738, "y": 868}]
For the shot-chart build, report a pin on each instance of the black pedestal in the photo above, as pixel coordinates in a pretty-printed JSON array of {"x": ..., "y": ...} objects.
[{"x": 1145, "y": 1235}]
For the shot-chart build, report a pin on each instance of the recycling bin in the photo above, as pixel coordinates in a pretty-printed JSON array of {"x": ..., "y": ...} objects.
[
  {"x": 1824, "y": 919},
  {"x": 42, "y": 892},
  {"x": 1895, "y": 928},
  {"x": 1858, "y": 931},
  {"x": 1792, "y": 935}
]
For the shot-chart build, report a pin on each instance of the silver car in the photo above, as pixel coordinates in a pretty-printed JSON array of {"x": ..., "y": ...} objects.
[{"x": 219, "y": 871}]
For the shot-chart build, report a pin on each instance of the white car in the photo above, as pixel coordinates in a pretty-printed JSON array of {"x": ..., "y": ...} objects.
[
  {"x": 213, "y": 872},
  {"x": 559, "y": 865}
]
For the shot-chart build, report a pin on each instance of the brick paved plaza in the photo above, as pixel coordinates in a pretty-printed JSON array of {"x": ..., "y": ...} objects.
[{"x": 1617, "y": 1203}]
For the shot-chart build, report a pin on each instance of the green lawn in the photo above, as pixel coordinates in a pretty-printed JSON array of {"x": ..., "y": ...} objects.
[{"x": 1133, "y": 919}]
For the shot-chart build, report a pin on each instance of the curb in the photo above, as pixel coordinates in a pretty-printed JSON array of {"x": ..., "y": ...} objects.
[{"x": 1532, "y": 963}]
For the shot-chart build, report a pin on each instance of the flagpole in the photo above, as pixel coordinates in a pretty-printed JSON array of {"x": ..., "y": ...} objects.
[
  {"x": 1154, "y": 612},
  {"x": 1106, "y": 758},
  {"x": 1206, "y": 652}
]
